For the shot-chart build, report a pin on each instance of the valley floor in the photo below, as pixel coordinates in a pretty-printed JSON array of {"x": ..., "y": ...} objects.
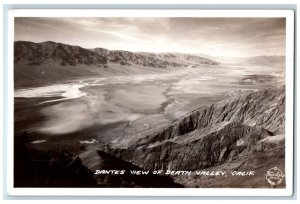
[{"x": 58, "y": 124}]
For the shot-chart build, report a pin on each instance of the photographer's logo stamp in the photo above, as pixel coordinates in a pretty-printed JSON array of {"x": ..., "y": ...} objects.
[{"x": 274, "y": 176}]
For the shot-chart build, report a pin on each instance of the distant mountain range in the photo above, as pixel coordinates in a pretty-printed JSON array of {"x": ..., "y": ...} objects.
[
  {"x": 55, "y": 53},
  {"x": 37, "y": 64},
  {"x": 68, "y": 55}
]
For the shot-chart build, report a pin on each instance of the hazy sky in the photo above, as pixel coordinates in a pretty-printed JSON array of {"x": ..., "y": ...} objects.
[{"x": 212, "y": 36}]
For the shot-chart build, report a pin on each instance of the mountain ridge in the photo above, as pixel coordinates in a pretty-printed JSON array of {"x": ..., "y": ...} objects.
[{"x": 50, "y": 52}]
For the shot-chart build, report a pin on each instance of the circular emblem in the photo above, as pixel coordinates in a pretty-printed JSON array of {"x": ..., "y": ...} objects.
[{"x": 274, "y": 176}]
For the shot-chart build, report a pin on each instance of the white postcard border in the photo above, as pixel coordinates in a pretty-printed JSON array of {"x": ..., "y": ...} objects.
[{"x": 288, "y": 14}]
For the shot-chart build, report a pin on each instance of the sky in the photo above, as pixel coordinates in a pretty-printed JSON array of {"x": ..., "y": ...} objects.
[{"x": 226, "y": 37}]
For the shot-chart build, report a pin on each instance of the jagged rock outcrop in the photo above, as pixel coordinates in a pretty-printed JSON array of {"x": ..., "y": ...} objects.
[{"x": 211, "y": 135}]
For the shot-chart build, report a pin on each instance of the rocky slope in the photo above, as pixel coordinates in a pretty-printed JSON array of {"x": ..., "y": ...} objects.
[
  {"x": 211, "y": 135},
  {"x": 267, "y": 153}
]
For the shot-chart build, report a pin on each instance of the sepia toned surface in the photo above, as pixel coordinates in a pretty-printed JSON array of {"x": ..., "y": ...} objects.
[{"x": 169, "y": 94}]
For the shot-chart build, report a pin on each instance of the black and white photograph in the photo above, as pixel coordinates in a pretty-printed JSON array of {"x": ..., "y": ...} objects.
[{"x": 150, "y": 102}]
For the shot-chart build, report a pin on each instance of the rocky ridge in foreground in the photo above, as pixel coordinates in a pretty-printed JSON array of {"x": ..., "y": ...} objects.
[{"x": 211, "y": 135}]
